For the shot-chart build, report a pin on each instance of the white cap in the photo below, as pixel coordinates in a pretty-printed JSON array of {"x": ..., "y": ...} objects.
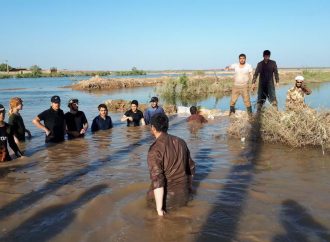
[{"x": 299, "y": 78}]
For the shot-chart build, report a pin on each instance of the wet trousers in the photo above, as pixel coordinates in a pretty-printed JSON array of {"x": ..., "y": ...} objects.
[{"x": 243, "y": 91}]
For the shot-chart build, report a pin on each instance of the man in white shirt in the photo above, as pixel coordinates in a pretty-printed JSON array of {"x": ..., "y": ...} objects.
[{"x": 243, "y": 73}]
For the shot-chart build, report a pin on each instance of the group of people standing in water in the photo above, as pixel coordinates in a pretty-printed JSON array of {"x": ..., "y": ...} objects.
[{"x": 170, "y": 165}]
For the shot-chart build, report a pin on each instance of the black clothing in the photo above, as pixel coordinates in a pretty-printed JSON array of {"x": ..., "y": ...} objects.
[
  {"x": 75, "y": 122},
  {"x": 101, "y": 124},
  {"x": 6, "y": 136},
  {"x": 266, "y": 88},
  {"x": 136, "y": 117},
  {"x": 55, "y": 123},
  {"x": 17, "y": 125}
]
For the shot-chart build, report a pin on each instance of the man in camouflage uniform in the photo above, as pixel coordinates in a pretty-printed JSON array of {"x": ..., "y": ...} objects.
[{"x": 295, "y": 98}]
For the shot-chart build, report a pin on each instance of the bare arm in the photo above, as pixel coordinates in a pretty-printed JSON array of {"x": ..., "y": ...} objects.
[
  {"x": 124, "y": 118},
  {"x": 159, "y": 196},
  {"x": 38, "y": 124}
]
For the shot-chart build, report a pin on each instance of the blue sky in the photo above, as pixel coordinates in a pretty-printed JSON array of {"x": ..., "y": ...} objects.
[{"x": 162, "y": 35}]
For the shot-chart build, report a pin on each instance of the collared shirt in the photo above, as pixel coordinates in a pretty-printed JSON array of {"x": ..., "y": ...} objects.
[
  {"x": 170, "y": 164},
  {"x": 151, "y": 112},
  {"x": 101, "y": 124},
  {"x": 295, "y": 98},
  {"x": 242, "y": 73},
  {"x": 55, "y": 123},
  {"x": 266, "y": 71}
]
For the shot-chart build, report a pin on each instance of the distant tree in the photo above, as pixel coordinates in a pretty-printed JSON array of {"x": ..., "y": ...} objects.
[
  {"x": 53, "y": 70},
  {"x": 3, "y": 67},
  {"x": 36, "y": 70}
]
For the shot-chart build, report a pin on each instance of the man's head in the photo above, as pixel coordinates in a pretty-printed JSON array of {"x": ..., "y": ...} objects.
[
  {"x": 159, "y": 124},
  {"x": 56, "y": 102},
  {"x": 2, "y": 113},
  {"x": 134, "y": 105},
  {"x": 266, "y": 55},
  {"x": 193, "y": 110},
  {"x": 73, "y": 104},
  {"x": 154, "y": 102},
  {"x": 103, "y": 110},
  {"x": 299, "y": 81},
  {"x": 242, "y": 59}
]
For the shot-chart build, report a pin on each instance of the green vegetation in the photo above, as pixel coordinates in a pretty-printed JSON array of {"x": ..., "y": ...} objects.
[
  {"x": 199, "y": 73},
  {"x": 36, "y": 71},
  {"x": 191, "y": 89},
  {"x": 133, "y": 72},
  {"x": 316, "y": 76},
  {"x": 3, "y": 67}
]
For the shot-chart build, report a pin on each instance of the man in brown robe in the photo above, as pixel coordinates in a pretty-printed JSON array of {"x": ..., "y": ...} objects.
[{"x": 171, "y": 167}]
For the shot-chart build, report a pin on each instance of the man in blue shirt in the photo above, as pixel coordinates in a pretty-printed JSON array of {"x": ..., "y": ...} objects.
[
  {"x": 102, "y": 121},
  {"x": 151, "y": 111}
]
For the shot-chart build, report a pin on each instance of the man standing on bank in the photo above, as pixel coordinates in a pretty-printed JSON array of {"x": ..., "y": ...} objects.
[
  {"x": 243, "y": 73},
  {"x": 267, "y": 69},
  {"x": 54, "y": 123},
  {"x": 171, "y": 168},
  {"x": 76, "y": 121}
]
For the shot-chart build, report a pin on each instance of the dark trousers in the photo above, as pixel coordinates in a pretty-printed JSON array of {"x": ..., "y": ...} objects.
[{"x": 266, "y": 91}]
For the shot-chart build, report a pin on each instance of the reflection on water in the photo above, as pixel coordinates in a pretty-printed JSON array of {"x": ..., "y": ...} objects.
[{"x": 93, "y": 189}]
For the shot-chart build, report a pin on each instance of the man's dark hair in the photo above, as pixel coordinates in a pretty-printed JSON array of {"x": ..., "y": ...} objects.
[
  {"x": 160, "y": 122},
  {"x": 242, "y": 55},
  {"x": 102, "y": 105},
  {"x": 193, "y": 110},
  {"x": 135, "y": 102},
  {"x": 266, "y": 52}
]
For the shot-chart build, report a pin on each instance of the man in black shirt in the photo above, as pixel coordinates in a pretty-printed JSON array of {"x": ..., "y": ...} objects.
[
  {"x": 102, "y": 121},
  {"x": 76, "y": 121},
  {"x": 266, "y": 89},
  {"x": 54, "y": 123},
  {"x": 134, "y": 117},
  {"x": 6, "y": 136}
]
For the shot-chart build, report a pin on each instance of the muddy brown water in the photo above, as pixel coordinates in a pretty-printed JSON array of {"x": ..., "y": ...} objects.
[{"x": 93, "y": 189}]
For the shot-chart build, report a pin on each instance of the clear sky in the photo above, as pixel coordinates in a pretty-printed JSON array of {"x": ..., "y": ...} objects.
[{"x": 163, "y": 34}]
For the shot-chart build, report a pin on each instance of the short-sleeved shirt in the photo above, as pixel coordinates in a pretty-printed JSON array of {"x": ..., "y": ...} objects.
[
  {"x": 137, "y": 116},
  {"x": 54, "y": 122},
  {"x": 242, "y": 74},
  {"x": 101, "y": 124},
  {"x": 17, "y": 125},
  {"x": 151, "y": 112},
  {"x": 75, "y": 121}
]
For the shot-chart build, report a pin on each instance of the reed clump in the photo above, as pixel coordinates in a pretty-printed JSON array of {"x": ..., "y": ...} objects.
[
  {"x": 98, "y": 83},
  {"x": 193, "y": 87},
  {"x": 305, "y": 127}
]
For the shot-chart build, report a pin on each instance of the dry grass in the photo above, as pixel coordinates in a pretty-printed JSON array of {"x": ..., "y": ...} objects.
[
  {"x": 120, "y": 105},
  {"x": 296, "y": 129},
  {"x": 98, "y": 83}
]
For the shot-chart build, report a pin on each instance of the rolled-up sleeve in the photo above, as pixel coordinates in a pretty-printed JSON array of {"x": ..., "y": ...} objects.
[{"x": 156, "y": 169}]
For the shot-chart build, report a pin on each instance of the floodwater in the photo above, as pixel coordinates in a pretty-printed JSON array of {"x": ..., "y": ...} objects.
[{"x": 93, "y": 189}]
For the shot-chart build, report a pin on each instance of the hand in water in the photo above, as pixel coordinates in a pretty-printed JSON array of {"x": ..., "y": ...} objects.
[
  {"x": 161, "y": 212},
  {"x": 47, "y": 132},
  {"x": 82, "y": 131}
]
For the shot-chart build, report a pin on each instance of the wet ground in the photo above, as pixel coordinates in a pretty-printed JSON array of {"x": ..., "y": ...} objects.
[{"x": 93, "y": 189}]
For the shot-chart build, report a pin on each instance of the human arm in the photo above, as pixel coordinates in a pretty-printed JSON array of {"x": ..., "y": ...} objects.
[
  {"x": 277, "y": 78},
  {"x": 146, "y": 116},
  {"x": 12, "y": 143},
  {"x": 38, "y": 124},
  {"x": 159, "y": 197},
  {"x": 95, "y": 126},
  {"x": 305, "y": 89},
  {"x": 255, "y": 76},
  {"x": 85, "y": 124},
  {"x": 142, "y": 122},
  {"x": 155, "y": 164}
]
